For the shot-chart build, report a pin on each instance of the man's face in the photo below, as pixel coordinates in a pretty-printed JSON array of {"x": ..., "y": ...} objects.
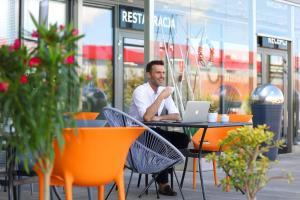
[{"x": 157, "y": 75}]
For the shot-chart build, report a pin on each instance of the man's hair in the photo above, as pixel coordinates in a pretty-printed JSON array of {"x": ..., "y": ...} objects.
[{"x": 153, "y": 62}]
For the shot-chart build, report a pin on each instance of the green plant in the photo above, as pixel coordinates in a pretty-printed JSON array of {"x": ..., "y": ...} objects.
[
  {"x": 213, "y": 107},
  {"x": 244, "y": 161},
  {"x": 37, "y": 86}
]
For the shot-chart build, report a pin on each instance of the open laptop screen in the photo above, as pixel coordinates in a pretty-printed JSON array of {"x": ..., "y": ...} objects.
[{"x": 196, "y": 111}]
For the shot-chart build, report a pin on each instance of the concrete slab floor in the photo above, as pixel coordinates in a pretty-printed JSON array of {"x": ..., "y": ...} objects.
[{"x": 276, "y": 190}]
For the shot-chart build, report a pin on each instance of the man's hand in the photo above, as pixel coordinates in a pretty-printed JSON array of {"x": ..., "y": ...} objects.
[
  {"x": 166, "y": 92},
  {"x": 156, "y": 118},
  {"x": 151, "y": 110}
]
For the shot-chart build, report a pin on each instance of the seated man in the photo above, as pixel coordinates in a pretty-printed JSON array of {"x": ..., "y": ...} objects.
[{"x": 148, "y": 101}]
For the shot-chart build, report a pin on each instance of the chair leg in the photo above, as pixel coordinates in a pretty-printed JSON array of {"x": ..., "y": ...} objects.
[
  {"x": 146, "y": 182},
  {"x": 90, "y": 194},
  {"x": 31, "y": 188},
  {"x": 51, "y": 194},
  {"x": 120, "y": 185},
  {"x": 172, "y": 181},
  {"x": 101, "y": 192},
  {"x": 156, "y": 189},
  {"x": 194, "y": 173},
  {"x": 184, "y": 170},
  {"x": 215, "y": 173},
  {"x": 139, "y": 180},
  {"x": 53, "y": 188},
  {"x": 128, "y": 186},
  {"x": 16, "y": 190},
  {"x": 178, "y": 184},
  {"x": 227, "y": 184},
  {"x": 41, "y": 186},
  {"x": 68, "y": 188},
  {"x": 109, "y": 192},
  {"x": 146, "y": 188}
]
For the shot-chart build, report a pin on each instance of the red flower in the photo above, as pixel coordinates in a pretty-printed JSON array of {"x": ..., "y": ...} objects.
[
  {"x": 61, "y": 27},
  {"x": 34, "y": 61},
  {"x": 75, "y": 32},
  {"x": 3, "y": 86},
  {"x": 24, "y": 79},
  {"x": 69, "y": 60},
  {"x": 35, "y": 34},
  {"x": 16, "y": 45},
  {"x": 88, "y": 77}
]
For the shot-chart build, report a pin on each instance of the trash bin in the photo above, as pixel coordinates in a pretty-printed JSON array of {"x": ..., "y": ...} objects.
[{"x": 267, "y": 107}]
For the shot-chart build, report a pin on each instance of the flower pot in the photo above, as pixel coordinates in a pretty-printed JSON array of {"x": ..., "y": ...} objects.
[
  {"x": 224, "y": 118},
  {"x": 212, "y": 117}
]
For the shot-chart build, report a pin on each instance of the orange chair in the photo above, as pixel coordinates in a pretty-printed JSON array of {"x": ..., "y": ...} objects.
[
  {"x": 86, "y": 159},
  {"x": 86, "y": 115},
  {"x": 211, "y": 141}
]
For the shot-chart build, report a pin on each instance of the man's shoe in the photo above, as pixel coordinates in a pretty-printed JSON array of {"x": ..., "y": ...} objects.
[{"x": 167, "y": 190}]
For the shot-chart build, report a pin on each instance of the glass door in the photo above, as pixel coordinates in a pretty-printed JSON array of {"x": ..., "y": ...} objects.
[
  {"x": 132, "y": 51},
  {"x": 272, "y": 68},
  {"x": 97, "y": 57}
]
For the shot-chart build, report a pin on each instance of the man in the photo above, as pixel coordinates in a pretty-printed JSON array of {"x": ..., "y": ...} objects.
[{"x": 148, "y": 101}]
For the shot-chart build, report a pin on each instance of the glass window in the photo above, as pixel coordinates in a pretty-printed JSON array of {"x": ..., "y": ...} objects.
[
  {"x": 273, "y": 18},
  {"x": 296, "y": 70},
  {"x": 30, "y": 7},
  {"x": 57, "y": 12},
  {"x": 8, "y": 21},
  {"x": 97, "y": 57},
  {"x": 133, "y": 63},
  {"x": 205, "y": 45}
]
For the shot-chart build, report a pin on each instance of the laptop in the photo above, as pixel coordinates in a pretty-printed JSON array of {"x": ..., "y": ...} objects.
[{"x": 196, "y": 111}]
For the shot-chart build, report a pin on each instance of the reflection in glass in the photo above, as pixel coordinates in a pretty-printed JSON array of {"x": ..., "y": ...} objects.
[
  {"x": 57, "y": 12},
  {"x": 8, "y": 21},
  {"x": 97, "y": 57},
  {"x": 133, "y": 54},
  {"x": 276, "y": 70},
  {"x": 30, "y": 6},
  {"x": 273, "y": 18},
  {"x": 205, "y": 45},
  {"x": 296, "y": 71},
  {"x": 259, "y": 69}
]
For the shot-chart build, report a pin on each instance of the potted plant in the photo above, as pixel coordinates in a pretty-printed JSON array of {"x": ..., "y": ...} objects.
[
  {"x": 243, "y": 159},
  {"x": 37, "y": 86},
  {"x": 212, "y": 112}
]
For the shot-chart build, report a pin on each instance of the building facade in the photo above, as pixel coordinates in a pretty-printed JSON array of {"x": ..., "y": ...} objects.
[{"x": 218, "y": 50}]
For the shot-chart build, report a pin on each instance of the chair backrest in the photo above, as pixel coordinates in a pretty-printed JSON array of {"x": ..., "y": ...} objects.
[
  {"x": 240, "y": 118},
  {"x": 150, "y": 153},
  {"x": 93, "y": 156},
  {"x": 86, "y": 115},
  {"x": 214, "y": 135}
]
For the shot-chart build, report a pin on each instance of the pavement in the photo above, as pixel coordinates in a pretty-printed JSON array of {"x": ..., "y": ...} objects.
[{"x": 276, "y": 190}]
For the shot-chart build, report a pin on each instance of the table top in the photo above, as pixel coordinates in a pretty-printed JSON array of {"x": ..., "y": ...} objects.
[{"x": 196, "y": 124}]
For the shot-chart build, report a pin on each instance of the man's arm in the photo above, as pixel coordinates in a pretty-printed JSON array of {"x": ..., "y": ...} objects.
[
  {"x": 173, "y": 116},
  {"x": 153, "y": 108}
]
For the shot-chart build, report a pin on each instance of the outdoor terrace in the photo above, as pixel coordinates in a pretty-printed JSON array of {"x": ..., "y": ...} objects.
[{"x": 276, "y": 190}]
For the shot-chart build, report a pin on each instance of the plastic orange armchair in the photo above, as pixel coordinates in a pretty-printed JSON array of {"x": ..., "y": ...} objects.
[
  {"x": 86, "y": 159},
  {"x": 86, "y": 115},
  {"x": 211, "y": 141}
]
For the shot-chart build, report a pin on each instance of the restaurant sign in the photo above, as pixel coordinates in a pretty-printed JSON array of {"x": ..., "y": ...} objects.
[
  {"x": 133, "y": 18},
  {"x": 270, "y": 42}
]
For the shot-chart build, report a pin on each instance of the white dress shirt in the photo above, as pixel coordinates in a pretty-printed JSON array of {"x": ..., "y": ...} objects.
[{"x": 144, "y": 96}]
